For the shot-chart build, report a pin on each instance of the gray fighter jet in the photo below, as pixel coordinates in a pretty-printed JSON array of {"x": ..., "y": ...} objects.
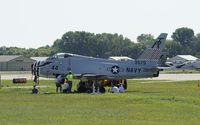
[{"x": 89, "y": 68}]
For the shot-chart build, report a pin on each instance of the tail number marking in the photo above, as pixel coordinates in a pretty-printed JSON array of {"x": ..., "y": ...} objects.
[{"x": 140, "y": 62}]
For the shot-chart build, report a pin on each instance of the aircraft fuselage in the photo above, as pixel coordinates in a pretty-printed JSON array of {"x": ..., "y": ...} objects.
[{"x": 90, "y": 67}]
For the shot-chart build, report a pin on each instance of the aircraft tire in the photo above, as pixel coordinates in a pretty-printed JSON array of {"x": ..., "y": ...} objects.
[
  {"x": 89, "y": 91},
  {"x": 34, "y": 91}
]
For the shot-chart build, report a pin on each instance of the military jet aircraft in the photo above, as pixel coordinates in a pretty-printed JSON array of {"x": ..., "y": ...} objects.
[
  {"x": 88, "y": 68},
  {"x": 189, "y": 65}
]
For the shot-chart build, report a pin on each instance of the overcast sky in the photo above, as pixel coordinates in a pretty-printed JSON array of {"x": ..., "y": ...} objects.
[{"x": 36, "y": 23}]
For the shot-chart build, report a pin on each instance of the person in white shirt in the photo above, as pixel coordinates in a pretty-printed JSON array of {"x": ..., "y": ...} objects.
[
  {"x": 121, "y": 88},
  {"x": 115, "y": 89},
  {"x": 66, "y": 87}
]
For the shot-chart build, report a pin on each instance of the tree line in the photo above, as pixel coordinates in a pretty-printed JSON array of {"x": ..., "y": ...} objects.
[{"x": 183, "y": 42}]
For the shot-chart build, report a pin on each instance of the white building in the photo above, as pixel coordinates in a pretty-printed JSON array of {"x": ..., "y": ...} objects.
[{"x": 179, "y": 59}]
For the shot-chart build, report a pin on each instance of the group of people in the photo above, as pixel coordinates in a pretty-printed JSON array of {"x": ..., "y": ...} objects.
[{"x": 66, "y": 80}]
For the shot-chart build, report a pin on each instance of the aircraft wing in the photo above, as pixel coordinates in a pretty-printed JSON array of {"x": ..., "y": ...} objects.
[
  {"x": 89, "y": 76},
  {"x": 166, "y": 68}
]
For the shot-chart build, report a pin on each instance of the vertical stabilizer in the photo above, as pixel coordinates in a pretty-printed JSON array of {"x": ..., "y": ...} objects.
[{"x": 154, "y": 52}]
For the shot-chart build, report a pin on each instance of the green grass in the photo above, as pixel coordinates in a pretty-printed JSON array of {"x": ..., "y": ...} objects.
[{"x": 144, "y": 103}]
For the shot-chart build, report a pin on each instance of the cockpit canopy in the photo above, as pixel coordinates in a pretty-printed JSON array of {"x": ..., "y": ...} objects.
[{"x": 60, "y": 56}]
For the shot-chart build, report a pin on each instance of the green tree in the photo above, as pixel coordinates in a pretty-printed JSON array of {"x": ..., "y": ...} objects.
[
  {"x": 146, "y": 39},
  {"x": 172, "y": 48},
  {"x": 195, "y": 46},
  {"x": 136, "y": 50},
  {"x": 183, "y": 35},
  {"x": 90, "y": 44}
]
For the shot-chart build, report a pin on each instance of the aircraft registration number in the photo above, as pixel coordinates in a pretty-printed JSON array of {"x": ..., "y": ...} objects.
[{"x": 140, "y": 62}]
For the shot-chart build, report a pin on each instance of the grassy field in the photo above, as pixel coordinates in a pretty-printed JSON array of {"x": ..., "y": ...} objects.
[{"x": 144, "y": 103}]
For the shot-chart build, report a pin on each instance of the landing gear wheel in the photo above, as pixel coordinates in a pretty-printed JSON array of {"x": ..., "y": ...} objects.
[
  {"x": 125, "y": 84},
  {"x": 35, "y": 89}
]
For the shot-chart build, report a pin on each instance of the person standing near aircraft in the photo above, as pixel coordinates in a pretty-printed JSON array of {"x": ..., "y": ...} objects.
[
  {"x": 59, "y": 80},
  {"x": 69, "y": 79}
]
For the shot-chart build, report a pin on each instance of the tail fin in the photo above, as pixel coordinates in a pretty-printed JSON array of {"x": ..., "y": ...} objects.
[{"x": 154, "y": 52}]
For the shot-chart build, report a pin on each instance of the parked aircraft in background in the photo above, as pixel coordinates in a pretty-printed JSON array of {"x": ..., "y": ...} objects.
[
  {"x": 189, "y": 65},
  {"x": 88, "y": 68}
]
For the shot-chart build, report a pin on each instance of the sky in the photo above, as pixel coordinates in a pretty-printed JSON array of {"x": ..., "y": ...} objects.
[{"x": 36, "y": 23}]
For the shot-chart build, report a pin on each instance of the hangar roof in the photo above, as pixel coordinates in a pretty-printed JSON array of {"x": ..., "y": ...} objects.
[
  {"x": 6, "y": 58},
  {"x": 188, "y": 57},
  {"x": 182, "y": 58}
]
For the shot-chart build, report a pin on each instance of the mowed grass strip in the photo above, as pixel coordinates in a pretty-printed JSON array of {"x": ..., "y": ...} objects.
[{"x": 144, "y": 103}]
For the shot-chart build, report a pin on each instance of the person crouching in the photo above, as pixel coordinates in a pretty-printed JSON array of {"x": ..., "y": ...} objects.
[{"x": 66, "y": 87}]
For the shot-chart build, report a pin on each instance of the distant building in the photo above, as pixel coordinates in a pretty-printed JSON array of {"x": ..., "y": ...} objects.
[
  {"x": 179, "y": 59},
  {"x": 15, "y": 63}
]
